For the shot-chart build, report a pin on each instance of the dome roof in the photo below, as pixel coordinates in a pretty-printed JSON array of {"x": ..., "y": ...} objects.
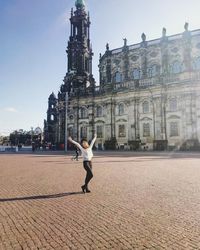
[{"x": 80, "y": 3}]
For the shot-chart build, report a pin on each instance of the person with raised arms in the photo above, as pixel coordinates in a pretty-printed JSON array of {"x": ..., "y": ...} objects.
[{"x": 87, "y": 155}]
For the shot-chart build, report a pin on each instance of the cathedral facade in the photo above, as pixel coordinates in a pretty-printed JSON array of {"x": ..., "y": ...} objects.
[{"x": 148, "y": 95}]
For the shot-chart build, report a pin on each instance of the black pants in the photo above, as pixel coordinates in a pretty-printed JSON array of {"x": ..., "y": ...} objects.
[{"x": 88, "y": 168}]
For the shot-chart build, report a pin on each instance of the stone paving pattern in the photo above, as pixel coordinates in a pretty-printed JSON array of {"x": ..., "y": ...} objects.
[{"x": 137, "y": 201}]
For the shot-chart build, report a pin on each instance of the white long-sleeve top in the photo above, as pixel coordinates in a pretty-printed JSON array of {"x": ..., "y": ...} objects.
[{"x": 86, "y": 152}]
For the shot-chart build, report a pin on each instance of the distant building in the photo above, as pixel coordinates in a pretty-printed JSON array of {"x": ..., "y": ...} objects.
[
  {"x": 148, "y": 95},
  {"x": 1, "y": 140}
]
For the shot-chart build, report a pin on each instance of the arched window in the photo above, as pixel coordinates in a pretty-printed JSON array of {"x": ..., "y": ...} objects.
[
  {"x": 145, "y": 107},
  {"x": 99, "y": 111},
  {"x": 83, "y": 132},
  {"x": 121, "y": 109},
  {"x": 83, "y": 113},
  {"x": 136, "y": 74},
  {"x": 52, "y": 118},
  {"x": 176, "y": 67},
  {"x": 173, "y": 104},
  {"x": 118, "y": 77}
]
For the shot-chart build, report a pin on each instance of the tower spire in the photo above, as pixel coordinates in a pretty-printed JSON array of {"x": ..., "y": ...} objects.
[{"x": 79, "y": 50}]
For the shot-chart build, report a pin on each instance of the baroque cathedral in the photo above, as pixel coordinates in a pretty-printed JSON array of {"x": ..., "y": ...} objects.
[{"x": 148, "y": 96}]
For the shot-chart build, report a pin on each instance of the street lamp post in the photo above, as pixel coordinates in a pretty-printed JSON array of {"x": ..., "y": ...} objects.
[{"x": 66, "y": 108}]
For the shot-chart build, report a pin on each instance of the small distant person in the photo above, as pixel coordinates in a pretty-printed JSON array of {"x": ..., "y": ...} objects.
[
  {"x": 87, "y": 154},
  {"x": 33, "y": 147},
  {"x": 75, "y": 157},
  {"x": 77, "y": 154}
]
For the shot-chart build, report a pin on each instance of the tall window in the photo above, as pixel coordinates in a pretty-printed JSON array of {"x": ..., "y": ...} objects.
[
  {"x": 83, "y": 113},
  {"x": 136, "y": 74},
  {"x": 146, "y": 129},
  {"x": 118, "y": 77},
  {"x": 83, "y": 132},
  {"x": 70, "y": 131},
  {"x": 52, "y": 118},
  {"x": 176, "y": 67},
  {"x": 173, "y": 104},
  {"x": 145, "y": 107},
  {"x": 108, "y": 73},
  {"x": 174, "y": 129},
  {"x": 122, "y": 131},
  {"x": 99, "y": 111},
  {"x": 153, "y": 71},
  {"x": 99, "y": 131},
  {"x": 121, "y": 109},
  {"x": 196, "y": 63}
]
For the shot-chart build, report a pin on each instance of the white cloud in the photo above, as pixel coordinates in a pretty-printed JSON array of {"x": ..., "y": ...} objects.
[{"x": 11, "y": 109}]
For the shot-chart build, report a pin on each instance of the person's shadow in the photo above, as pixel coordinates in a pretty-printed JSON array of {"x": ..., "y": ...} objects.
[{"x": 39, "y": 197}]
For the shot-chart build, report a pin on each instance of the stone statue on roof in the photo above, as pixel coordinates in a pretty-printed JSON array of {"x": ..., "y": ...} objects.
[
  {"x": 107, "y": 46},
  {"x": 125, "y": 42},
  {"x": 186, "y": 26},
  {"x": 143, "y": 36},
  {"x": 164, "y": 31},
  {"x": 186, "y": 33}
]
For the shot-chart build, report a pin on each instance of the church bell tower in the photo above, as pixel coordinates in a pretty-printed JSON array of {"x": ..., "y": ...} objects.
[{"x": 79, "y": 74}]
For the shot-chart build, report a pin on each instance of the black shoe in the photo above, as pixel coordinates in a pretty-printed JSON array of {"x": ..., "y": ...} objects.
[
  {"x": 88, "y": 191},
  {"x": 83, "y": 188}
]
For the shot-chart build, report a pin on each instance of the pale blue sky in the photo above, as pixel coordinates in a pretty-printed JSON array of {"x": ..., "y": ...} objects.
[{"x": 34, "y": 36}]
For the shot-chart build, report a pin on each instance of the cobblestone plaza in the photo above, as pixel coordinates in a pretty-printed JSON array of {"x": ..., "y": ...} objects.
[{"x": 138, "y": 201}]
